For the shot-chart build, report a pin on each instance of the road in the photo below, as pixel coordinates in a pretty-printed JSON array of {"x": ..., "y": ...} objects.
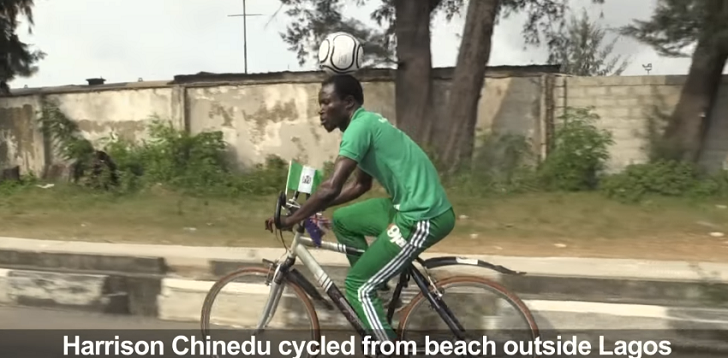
[{"x": 38, "y": 333}]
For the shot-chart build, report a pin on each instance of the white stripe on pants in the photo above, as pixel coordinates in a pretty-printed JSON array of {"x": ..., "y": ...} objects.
[{"x": 402, "y": 258}]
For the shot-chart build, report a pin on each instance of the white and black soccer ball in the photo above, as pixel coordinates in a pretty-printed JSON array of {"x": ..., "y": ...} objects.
[{"x": 340, "y": 53}]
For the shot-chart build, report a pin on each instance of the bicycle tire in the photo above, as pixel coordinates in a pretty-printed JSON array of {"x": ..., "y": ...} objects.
[
  {"x": 230, "y": 277},
  {"x": 509, "y": 296}
]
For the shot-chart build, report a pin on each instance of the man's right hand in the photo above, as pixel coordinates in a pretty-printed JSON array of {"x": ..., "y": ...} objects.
[{"x": 270, "y": 224}]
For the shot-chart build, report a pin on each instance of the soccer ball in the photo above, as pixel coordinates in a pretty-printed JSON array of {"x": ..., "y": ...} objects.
[{"x": 340, "y": 53}]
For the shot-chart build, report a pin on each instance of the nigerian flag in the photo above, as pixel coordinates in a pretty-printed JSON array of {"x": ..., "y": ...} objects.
[{"x": 303, "y": 178}]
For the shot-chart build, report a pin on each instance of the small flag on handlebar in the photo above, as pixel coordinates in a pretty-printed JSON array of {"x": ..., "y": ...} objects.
[{"x": 303, "y": 178}]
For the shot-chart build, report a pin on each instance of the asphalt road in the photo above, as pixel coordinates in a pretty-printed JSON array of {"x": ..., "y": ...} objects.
[{"x": 39, "y": 333}]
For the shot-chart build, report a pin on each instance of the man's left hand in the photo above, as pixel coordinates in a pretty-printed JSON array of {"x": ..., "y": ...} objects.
[{"x": 285, "y": 224}]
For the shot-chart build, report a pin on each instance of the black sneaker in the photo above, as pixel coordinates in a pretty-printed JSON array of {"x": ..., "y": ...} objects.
[{"x": 385, "y": 294}]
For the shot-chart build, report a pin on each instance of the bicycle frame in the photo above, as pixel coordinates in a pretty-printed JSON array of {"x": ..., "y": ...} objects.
[{"x": 299, "y": 250}]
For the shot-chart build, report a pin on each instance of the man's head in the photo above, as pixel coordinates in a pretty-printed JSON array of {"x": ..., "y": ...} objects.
[{"x": 340, "y": 96}]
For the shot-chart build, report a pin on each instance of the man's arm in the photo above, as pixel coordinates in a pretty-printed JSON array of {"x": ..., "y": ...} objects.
[
  {"x": 361, "y": 184},
  {"x": 327, "y": 192}
]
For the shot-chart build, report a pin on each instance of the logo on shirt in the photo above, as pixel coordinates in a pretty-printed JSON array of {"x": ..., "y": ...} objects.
[{"x": 382, "y": 119}]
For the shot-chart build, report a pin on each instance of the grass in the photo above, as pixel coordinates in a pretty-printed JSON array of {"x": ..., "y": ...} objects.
[{"x": 545, "y": 224}]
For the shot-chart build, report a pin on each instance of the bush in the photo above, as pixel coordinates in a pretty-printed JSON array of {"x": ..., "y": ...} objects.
[
  {"x": 579, "y": 153},
  {"x": 176, "y": 158},
  {"x": 198, "y": 164},
  {"x": 195, "y": 164},
  {"x": 504, "y": 163},
  {"x": 501, "y": 164},
  {"x": 664, "y": 178}
]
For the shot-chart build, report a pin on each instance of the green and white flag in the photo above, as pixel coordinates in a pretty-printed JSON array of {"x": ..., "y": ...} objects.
[{"x": 303, "y": 178}]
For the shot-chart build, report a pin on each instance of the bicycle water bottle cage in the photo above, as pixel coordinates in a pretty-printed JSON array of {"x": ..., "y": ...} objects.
[{"x": 314, "y": 231}]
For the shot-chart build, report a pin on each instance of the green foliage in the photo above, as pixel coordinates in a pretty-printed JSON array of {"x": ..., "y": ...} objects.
[
  {"x": 9, "y": 187},
  {"x": 506, "y": 163},
  {"x": 675, "y": 25},
  {"x": 63, "y": 133},
  {"x": 579, "y": 153},
  {"x": 175, "y": 158},
  {"x": 502, "y": 163},
  {"x": 16, "y": 59},
  {"x": 198, "y": 164},
  {"x": 580, "y": 49},
  {"x": 663, "y": 178},
  {"x": 311, "y": 20},
  {"x": 195, "y": 164}
]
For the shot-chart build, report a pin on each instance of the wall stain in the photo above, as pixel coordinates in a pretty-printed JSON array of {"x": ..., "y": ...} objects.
[
  {"x": 17, "y": 123},
  {"x": 301, "y": 154},
  {"x": 315, "y": 134},
  {"x": 218, "y": 110},
  {"x": 4, "y": 153},
  {"x": 262, "y": 117},
  {"x": 129, "y": 130}
]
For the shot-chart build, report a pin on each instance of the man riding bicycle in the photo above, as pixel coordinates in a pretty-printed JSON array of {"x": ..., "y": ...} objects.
[{"x": 417, "y": 215}]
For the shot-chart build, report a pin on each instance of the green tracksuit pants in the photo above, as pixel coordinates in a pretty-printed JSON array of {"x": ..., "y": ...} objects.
[{"x": 399, "y": 241}]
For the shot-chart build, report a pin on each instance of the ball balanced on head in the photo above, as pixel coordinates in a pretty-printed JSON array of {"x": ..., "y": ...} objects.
[{"x": 340, "y": 53}]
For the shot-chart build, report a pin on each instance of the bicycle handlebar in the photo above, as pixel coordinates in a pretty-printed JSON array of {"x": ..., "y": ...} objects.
[
  {"x": 307, "y": 224},
  {"x": 277, "y": 213},
  {"x": 283, "y": 202}
]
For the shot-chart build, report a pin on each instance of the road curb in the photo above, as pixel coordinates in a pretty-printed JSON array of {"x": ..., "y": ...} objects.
[{"x": 136, "y": 273}]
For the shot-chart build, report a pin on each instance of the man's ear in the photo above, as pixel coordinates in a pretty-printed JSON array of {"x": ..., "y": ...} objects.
[{"x": 350, "y": 102}]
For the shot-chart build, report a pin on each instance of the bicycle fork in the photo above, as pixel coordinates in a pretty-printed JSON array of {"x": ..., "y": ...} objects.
[{"x": 276, "y": 291}]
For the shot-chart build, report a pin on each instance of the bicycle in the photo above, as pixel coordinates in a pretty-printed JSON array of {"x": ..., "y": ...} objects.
[{"x": 279, "y": 275}]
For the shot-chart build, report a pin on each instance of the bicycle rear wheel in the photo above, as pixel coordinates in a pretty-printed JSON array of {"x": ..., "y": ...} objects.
[
  {"x": 241, "y": 296},
  {"x": 474, "y": 302}
]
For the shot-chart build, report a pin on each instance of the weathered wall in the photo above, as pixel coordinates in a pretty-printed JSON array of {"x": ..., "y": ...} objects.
[
  {"x": 629, "y": 105},
  {"x": 277, "y": 113},
  {"x": 21, "y": 142},
  {"x": 282, "y": 118},
  {"x": 124, "y": 111}
]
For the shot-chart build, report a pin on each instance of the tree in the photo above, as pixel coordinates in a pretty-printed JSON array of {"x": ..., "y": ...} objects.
[
  {"x": 675, "y": 26},
  {"x": 409, "y": 43},
  {"x": 468, "y": 81},
  {"x": 579, "y": 49},
  {"x": 16, "y": 58}
]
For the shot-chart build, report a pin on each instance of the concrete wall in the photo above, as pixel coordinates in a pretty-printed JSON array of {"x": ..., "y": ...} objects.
[
  {"x": 630, "y": 105},
  {"x": 282, "y": 118},
  {"x": 276, "y": 113},
  {"x": 258, "y": 116}
]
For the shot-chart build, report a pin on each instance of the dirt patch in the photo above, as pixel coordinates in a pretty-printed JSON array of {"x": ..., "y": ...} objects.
[{"x": 582, "y": 225}]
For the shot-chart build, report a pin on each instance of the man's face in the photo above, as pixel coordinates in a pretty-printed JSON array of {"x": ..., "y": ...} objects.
[{"x": 333, "y": 111}]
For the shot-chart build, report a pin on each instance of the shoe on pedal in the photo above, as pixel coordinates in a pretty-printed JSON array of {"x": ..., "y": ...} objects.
[{"x": 385, "y": 294}]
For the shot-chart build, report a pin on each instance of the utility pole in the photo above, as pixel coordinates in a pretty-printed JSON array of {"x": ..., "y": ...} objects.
[{"x": 245, "y": 15}]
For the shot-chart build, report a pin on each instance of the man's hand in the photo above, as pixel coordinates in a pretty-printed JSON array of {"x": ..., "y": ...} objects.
[{"x": 270, "y": 223}]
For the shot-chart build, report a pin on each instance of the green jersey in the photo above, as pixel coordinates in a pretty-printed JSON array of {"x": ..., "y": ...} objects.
[{"x": 397, "y": 163}]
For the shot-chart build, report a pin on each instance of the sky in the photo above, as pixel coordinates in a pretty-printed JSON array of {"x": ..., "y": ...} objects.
[{"x": 124, "y": 40}]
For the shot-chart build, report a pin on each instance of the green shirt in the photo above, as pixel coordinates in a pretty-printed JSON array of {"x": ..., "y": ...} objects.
[{"x": 392, "y": 158}]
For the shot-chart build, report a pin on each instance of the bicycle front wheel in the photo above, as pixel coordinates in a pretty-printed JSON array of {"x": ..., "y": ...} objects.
[
  {"x": 481, "y": 307},
  {"x": 237, "y": 301}
]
